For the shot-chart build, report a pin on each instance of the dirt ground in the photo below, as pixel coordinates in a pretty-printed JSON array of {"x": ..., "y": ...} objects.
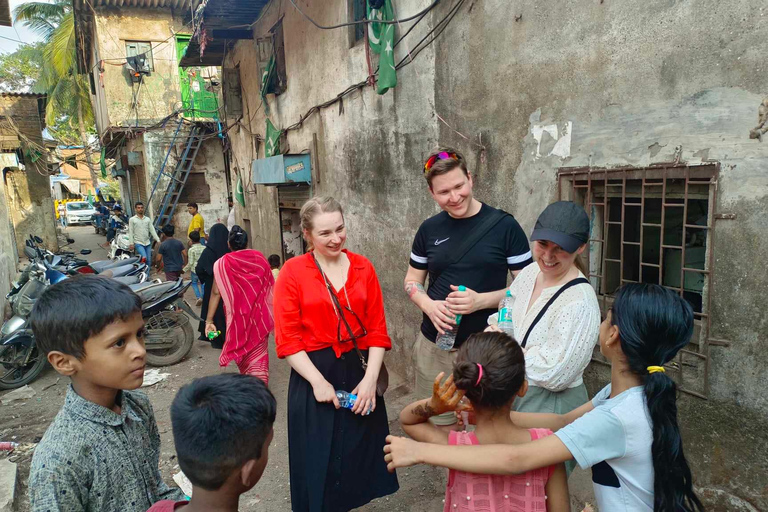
[{"x": 421, "y": 487}]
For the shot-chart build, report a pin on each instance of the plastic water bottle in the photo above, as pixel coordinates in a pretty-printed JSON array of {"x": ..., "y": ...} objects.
[
  {"x": 448, "y": 339},
  {"x": 347, "y": 400},
  {"x": 505, "y": 314}
]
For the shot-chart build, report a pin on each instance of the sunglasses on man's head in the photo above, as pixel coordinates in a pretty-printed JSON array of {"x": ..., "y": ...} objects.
[{"x": 440, "y": 156}]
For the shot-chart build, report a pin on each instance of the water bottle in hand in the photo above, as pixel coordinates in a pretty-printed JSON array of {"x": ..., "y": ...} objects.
[
  {"x": 505, "y": 314},
  {"x": 446, "y": 340},
  {"x": 347, "y": 400}
]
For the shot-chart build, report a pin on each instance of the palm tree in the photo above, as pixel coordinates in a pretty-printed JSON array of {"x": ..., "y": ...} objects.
[{"x": 69, "y": 100}]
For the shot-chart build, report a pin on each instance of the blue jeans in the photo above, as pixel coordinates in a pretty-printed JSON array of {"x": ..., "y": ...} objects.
[
  {"x": 144, "y": 250},
  {"x": 198, "y": 288}
]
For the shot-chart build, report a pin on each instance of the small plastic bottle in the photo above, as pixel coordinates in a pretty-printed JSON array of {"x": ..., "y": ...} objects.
[
  {"x": 8, "y": 446},
  {"x": 448, "y": 339},
  {"x": 213, "y": 335},
  {"x": 505, "y": 314},
  {"x": 347, "y": 400}
]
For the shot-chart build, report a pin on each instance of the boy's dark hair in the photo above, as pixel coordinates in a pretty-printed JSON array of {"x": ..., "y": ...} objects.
[
  {"x": 503, "y": 369},
  {"x": 445, "y": 165},
  {"x": 654, "y": 324},
  {"x": 238, "y": 238},
  {"x": 138, "y": 203},
  {"x": 193, "y": 205},
  {"x": 70, "y": 312},
  {"x": 195, "y": 236},
  {"x": 219, "y": 423},
  {"x": 274, "y": 261},
  {"x": 169, "y": 230}
]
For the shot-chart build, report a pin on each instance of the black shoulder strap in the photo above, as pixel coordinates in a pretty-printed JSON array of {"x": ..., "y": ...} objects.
[
  {"x": 472, "y": 240},
  {"x": 578, "y": 280}
]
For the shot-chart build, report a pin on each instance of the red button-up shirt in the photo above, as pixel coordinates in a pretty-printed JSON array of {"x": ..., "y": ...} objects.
[{"x": 305, "y": 318}]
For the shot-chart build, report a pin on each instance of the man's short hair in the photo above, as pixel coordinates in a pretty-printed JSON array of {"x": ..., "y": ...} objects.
[
  {"x": 274, "y": 260},
  {"x": 138, "y": 203},
  {"x": 220, "y": 423},
  {"x": 194, "y": 236},
  {"x": 70, "y": 312},
  {"x": 169, "y": 230},
  {"x": 193, "y": 205},
  {"x": 444, "y": 165}
]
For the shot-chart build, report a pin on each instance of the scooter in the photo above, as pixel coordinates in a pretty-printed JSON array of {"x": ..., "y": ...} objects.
[{"x": 120, "y": 246}]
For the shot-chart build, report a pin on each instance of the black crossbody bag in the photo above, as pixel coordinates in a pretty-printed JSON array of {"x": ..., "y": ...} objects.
[
  {"x": 488, "y": 224},
  {"x": 578, "y": 280},
  {"x": 382, "y": 383}
]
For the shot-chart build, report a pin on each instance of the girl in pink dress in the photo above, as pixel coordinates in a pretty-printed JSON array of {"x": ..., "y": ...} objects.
[{"x": 490, "y": 370}]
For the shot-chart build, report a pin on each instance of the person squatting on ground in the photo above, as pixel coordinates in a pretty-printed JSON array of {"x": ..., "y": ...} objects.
[
  {"x": 222, "y": 428},
  {"x": 217, "y": 246},
  {"x": 141, "y": 232},
  {"x": 469, "y": 243},
  {"x": 327, "y": 302},
  {"x": 172, "y": 255},
  {"x": 244, "y": 283},
  {"x": 628, "y": 434},
  {"x": 490, "y": 369},
  {"x": 102, "y": 450},
  {"x": 193, "y": 253}
]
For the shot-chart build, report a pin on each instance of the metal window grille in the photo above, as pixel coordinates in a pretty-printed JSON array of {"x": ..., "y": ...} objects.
[{"x": 653, "y": 225}]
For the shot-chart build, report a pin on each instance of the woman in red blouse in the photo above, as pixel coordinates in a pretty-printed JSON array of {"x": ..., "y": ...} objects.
[{"x": 335, "y": 454}]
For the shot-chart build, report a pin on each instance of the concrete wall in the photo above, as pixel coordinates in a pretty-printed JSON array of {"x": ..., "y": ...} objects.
[
  {"x": 159, "y": 94},
  {"x": 625, "y": 85},
  {"x": 28, "y": 192}
]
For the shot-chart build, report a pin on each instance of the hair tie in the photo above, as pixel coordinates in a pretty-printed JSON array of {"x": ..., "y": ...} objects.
[
  {"x": 655, "y": 369},
  {"x": 480, "y": 374}
]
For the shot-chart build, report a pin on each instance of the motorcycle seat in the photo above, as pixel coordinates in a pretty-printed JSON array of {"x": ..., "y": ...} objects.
[
  {"x": 129, "y": 280},
  {"x": 121, "y": 271},
  {"x": 157, "y": 290},
  {"x": 102, "y": 265}
]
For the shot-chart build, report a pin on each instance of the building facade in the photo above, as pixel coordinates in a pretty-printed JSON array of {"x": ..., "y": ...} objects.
[{"x": 147, "y": 108}]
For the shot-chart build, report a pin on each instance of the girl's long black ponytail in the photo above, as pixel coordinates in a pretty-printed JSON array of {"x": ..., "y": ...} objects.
[{"x": 654, "y": 324}]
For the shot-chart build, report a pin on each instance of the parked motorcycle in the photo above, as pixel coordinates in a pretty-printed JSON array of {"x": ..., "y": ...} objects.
[
  {"x": 169, "y": 332},
  {"x": 120, "y": 246}
]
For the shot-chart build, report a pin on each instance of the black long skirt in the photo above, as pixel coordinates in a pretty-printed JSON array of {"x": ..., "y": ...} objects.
[{"x": 336, "y": 457}]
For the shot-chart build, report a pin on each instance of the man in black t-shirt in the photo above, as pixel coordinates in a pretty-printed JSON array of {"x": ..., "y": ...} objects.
[
  {"x": 172, "y": 255},
  {"x": 482, "y": 270}
]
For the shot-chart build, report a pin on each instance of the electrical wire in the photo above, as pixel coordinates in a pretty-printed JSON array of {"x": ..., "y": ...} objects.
[{"x": 361, "y": 22}]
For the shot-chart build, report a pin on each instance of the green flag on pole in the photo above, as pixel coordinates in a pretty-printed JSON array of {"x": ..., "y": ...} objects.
[
  {"x": 239, "y": 194},
  {"x": 382, "y": 39},
  {"x": 273, "y": 139}
]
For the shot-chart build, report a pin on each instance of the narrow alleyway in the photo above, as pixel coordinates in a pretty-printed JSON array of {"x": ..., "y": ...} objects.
[{"x": 421, "y": 487}]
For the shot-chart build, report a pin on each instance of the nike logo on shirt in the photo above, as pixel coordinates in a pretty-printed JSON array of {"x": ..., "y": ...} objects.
[{"x": 438, "y": 242}]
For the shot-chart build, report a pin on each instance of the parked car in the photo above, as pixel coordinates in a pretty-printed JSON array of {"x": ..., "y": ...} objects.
[{"x": 79, "y": 212}]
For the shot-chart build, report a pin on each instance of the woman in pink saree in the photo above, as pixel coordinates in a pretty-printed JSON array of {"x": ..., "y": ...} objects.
[{"x": 243, "y": 281}]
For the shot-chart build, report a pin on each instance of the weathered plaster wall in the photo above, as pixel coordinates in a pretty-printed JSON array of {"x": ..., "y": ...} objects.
[
  {"x": 28, "y": 192},
  {"x": 159, "y": 94},
  {"x": 8, "y": 254},
  {"x": 369, "y": 152},
  {"x": 636, "y": 84}
]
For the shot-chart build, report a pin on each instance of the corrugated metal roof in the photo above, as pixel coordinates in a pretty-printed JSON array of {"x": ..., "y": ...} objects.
[
  {"x": 151, "y": 4},
  {"x": 5, "y": 13},
  {"x": 22, "y": 95}
]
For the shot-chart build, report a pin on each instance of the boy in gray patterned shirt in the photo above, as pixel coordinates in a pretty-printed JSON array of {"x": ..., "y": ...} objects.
[{"x": 102, "y": 450}]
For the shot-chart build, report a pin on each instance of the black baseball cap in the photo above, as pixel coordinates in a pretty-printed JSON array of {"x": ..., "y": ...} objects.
[{"x": 564, "y": 223}]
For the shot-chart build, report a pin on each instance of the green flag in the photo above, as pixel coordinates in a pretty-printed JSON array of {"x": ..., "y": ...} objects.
[
  {"x": 273, "y": 139},
  {"x": 239, "y": 194},
  {"x": 266, "y": 79},
  {"x": 382, "y": 39}
]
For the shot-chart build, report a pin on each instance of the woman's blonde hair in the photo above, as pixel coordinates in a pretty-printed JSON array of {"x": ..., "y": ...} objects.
[{"x": 314, "y": 207}]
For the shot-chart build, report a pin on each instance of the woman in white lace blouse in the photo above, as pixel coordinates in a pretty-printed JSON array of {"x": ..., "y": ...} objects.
[{"x": 556, "y": 316}]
